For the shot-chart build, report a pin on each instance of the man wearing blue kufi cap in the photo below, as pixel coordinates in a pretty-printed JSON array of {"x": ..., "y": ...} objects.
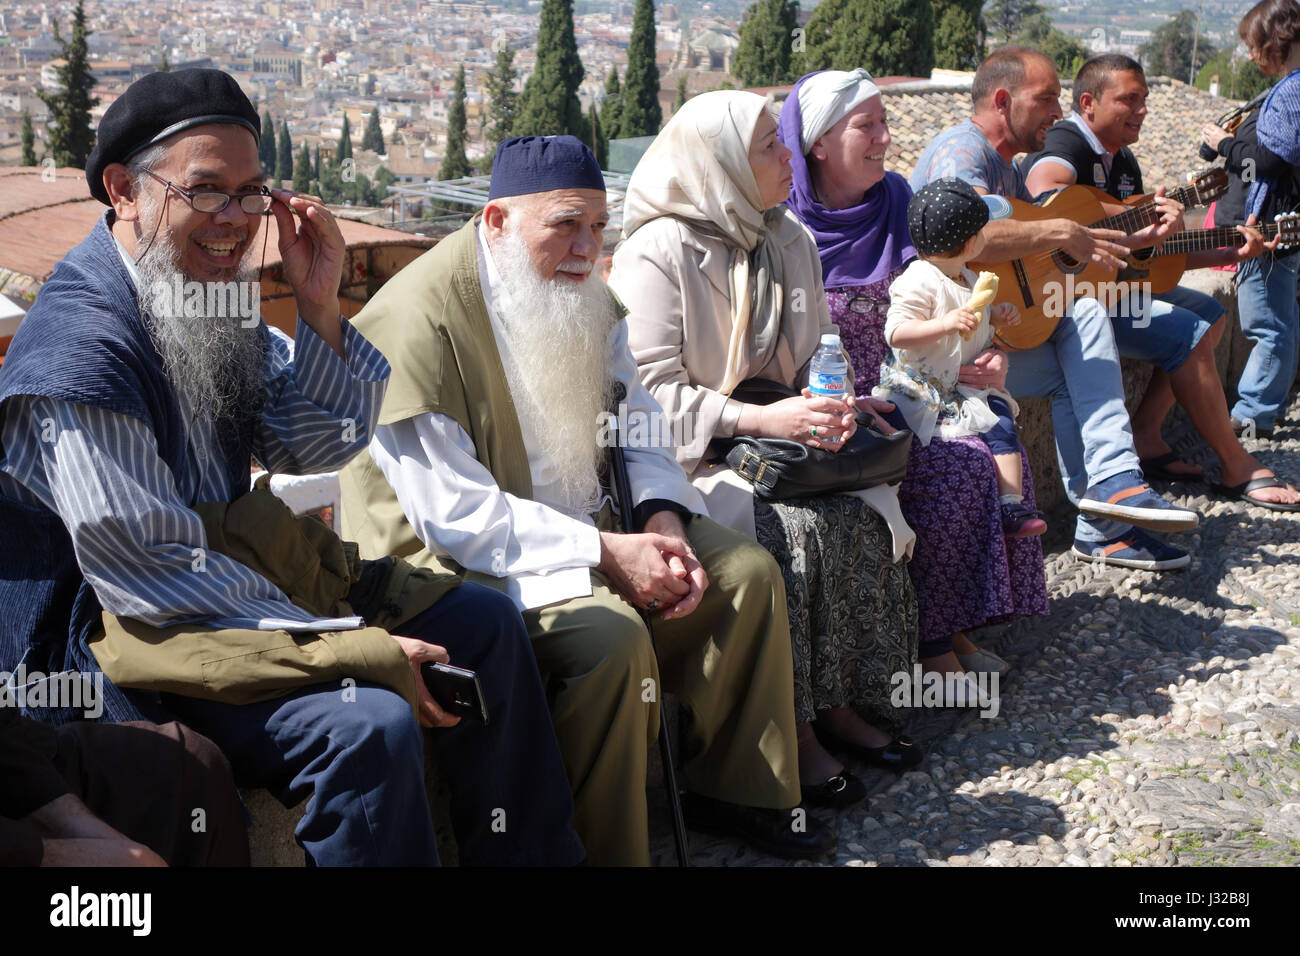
[{"x": 506, "y": 354}]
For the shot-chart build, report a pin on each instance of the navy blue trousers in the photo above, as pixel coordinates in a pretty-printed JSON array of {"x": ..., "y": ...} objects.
[{"x": 357, "y": 752}]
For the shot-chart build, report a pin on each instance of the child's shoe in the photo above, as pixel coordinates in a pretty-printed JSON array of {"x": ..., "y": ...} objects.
[{"x": 1021, "y": 522}]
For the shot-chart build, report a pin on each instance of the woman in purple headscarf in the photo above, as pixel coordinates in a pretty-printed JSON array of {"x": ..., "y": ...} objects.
[{"x": 966, "y": 574}]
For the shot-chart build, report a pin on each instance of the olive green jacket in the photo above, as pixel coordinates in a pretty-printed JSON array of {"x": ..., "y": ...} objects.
[{"x": 315, "y": 568}]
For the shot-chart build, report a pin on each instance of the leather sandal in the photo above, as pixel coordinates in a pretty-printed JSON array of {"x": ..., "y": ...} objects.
[{"x": 898, "y": 755}]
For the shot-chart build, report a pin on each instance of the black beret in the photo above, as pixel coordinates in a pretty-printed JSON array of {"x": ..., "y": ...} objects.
[
  {"x": 945, "y": 213},
  {"x": 161, "y": 105},
  {"x": 538, "y": 164}
]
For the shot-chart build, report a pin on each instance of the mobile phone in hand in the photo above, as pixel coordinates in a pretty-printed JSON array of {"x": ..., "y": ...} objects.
[{"x": 456, "y": 690}]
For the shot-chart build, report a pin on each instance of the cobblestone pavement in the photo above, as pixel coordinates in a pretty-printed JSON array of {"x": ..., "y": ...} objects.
[{"x": 1151, "y": 720}]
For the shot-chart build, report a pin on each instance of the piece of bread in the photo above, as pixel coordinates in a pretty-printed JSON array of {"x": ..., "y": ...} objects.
[{"x": 982, "y": 296}]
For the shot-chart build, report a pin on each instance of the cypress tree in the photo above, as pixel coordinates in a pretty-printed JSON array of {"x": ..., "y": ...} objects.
[
  {"x": 611, "y": 107},
  {"x": 71, "y": 139},
  {"x": 29, "y": 141},
  {"x": 266, "y": 145},
  {"x": 504, "y": 100},
  {"x": 642, "y": 115},
  {"x": 345, "y": 142},
  {"x": 302, "y": 171},
  {"x": 680, "y": 99},
  {"x": 284, "y": 154},
  {"x": 892, "y": 37},
  {"x": 550, "y": 104},
  {"x": 373, "y": 138},
  {"x": 766, "y": 38},
  {"x": 454, "y": 164},
  {"x": 599, "y": 141}
]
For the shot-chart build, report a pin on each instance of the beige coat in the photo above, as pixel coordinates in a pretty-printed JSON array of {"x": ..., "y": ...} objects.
[{"x": 674, "y": 279}]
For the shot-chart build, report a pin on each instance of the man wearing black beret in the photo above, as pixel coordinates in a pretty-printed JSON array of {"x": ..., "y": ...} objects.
[{"x": 136, "y": 391}]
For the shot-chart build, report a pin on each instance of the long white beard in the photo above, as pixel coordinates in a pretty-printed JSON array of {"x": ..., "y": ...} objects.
[
  {"x": 558, "y": 368},
  {"x": 214, "y": 361}
]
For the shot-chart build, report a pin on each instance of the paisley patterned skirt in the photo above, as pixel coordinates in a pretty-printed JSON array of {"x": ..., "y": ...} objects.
[{"x": 852, "y": 610}]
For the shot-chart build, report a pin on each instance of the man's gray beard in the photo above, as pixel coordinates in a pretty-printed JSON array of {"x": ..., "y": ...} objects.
[
  {"x": 558, "y": 367},
  {"x": 214, "y": 362}
]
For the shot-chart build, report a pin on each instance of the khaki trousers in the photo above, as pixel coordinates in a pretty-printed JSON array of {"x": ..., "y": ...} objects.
[{"x": 728, "y": 661}]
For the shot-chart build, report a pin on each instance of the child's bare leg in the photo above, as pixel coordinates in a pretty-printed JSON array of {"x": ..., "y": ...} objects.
[{"x": 1008, "y": 468}]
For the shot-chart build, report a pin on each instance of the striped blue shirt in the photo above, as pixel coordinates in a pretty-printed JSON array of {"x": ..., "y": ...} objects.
[{"x": 137, "y": 542}]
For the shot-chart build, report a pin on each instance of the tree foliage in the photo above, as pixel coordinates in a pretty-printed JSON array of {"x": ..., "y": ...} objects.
[
  {"x": 887, "y": 37},
  {"x": 284, "y": 154},
  {"x": 766, "y": 43},
  {"x": 373, "y": 138},
  {"x": 1006, "y": 18},
  {"x": 345, "y": 142},
  {"x": 680, "y": 99},
  {"x": 1062, "y": 49},
  {"x": 611, "y": 107},
  {"x": 642, "y": 114},
  {"x": 1169, "y": 51},
  {"x": 70, "y": 136},
  {"x": 266, "y": 144},
  {"x": 502, "y": 99},
  {"x": 1238, "y": 79},
  {"x": 549, "y": 104},
  {"x": 957, "y": 41},
  {"x": 599, "y": 142},
  {"x": 455, "y": 165},
  {"x": 28, "y": 140},
  {"x": 302, "y": 171}
]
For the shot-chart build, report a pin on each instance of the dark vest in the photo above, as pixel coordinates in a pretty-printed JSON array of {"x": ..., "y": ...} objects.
[{"x": 83, "y": 341}]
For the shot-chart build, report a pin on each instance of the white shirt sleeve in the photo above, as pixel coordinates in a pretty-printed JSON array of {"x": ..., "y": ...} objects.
[
  {"x": 652, "y": 468},
  {"x": 456, "y": 508}
]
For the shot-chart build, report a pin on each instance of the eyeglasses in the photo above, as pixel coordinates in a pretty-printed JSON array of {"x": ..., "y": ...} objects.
[{"x": 254, "y": 204}]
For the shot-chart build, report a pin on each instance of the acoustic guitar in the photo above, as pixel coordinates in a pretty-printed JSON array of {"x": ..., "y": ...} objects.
[
  {"x": 1152, "y": 269},
  {"x": 1045, "y": 284}
]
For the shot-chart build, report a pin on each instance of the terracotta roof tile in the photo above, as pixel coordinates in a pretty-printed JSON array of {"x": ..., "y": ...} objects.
[
  {"x": 1166, "y": 151},
  {"x": 40, "y": 222}
]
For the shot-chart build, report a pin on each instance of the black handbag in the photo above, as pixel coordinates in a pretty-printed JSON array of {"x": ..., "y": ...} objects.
[{"x": 779, "y": 468}]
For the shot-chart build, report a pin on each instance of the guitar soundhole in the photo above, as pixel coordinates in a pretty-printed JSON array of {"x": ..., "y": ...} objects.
[{"x": 1066, "y": 264}]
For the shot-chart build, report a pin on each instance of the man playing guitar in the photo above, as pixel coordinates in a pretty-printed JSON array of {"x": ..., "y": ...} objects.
[{"x": 1179, "y": 329}]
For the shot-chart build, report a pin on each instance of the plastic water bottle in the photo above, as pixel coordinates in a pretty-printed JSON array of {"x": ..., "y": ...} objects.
[{"x": 830, "y": 373}]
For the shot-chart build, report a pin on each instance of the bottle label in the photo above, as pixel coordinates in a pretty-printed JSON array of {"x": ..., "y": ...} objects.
[{"x": 828, "y": 383}]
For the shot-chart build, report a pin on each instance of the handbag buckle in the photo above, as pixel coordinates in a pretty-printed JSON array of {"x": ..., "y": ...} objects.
[{"x": 745, "y": 459}]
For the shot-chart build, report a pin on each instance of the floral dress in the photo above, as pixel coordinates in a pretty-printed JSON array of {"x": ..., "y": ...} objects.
[{"x": 965, "y": 572}]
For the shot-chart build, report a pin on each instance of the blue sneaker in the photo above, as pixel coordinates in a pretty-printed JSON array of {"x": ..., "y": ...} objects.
[
  {"x": 1137, "y": 549},
  {"x": 1127, "y": 497}
]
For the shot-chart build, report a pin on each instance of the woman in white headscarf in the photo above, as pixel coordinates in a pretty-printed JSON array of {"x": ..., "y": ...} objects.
[{"x": 724, "y": 285}]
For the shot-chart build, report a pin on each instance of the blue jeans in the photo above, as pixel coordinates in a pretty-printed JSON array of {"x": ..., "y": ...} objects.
[
  {"x": 1078, "y": 370},
  {"x": 1270, "y": 317},
  {"x": 358, "y": 754},
  {"x": 1165, "y": 334}
]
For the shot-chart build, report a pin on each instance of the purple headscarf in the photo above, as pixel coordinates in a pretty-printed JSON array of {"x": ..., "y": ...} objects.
[{"x": 858, "y": 245}]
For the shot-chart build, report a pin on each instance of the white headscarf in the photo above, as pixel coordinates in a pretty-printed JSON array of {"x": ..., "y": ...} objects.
[
  {"x": 826, "y": 98},
  {"x": 697, "y": 170}
]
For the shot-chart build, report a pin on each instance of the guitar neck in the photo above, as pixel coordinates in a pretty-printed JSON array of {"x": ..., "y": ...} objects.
[
  {"x": 1200, "y": 240},
  {"x": 1138, "y": 218}
]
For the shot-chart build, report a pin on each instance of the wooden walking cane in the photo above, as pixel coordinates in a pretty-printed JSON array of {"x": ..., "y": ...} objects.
[{"x": 623, "y": 491}]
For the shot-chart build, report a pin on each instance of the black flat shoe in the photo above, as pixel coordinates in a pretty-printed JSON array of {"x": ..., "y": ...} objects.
[
  {"x": 840, "y": 791},
  {"x": 783, "y": 833},
  {"x": 898, "y": 755}
]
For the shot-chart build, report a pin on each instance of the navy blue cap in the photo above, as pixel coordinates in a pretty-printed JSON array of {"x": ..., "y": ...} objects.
[
  {"x": 538, "y": 164},
  {"x": 945, "y": 213},
  {"x": 160, "y": 105}
]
